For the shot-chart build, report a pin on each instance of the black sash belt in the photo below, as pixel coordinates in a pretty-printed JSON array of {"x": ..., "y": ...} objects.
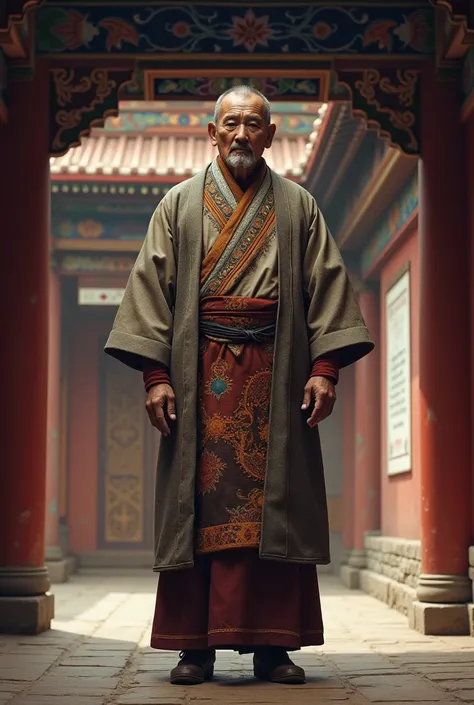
[{"x": 237, "y": 335}]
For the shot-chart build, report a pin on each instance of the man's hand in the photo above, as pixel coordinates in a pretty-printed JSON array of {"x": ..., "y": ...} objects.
[
  {"x": 321, "y": 391},
  {"x": 160, "y": 405}
]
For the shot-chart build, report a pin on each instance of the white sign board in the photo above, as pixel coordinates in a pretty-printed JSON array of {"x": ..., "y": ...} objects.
[
  {"x": 398, "y": 376},
  {"x": 89, "y": 296}
]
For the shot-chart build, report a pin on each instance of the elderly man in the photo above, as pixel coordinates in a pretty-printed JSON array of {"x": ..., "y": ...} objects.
[{"x": 240, "y": 314}]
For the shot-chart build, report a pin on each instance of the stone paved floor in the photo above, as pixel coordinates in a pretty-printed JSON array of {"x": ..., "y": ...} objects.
[{"x": 98, "y": 654}]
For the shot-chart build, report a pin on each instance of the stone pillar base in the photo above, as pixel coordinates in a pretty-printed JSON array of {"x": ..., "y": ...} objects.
[
  {"x": 445, "y": 589},
  {"x": 24, "y": 581},
  {"x": 53, "y": 553},
  {"x": 470, "y": 612},
  {"x": 26, "y": 615},
  {"x": 59, "y": 571},
  {"x": 350, "y": 577},
  {"x": 436, "y": 619}
]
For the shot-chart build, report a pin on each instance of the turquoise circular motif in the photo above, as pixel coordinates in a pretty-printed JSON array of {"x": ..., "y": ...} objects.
[{"x": 218, "y": 387}]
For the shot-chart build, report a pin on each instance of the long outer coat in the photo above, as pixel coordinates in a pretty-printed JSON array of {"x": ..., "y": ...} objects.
[{"x": 295, "y": 520}]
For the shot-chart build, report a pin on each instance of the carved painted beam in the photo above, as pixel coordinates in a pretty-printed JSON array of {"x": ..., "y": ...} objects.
[
  {"x": 388, "y": 99},
  {"x": 180, "y": 32},
  {"x": 82, "y": 98},
  {"x": 454, "y": 31}
]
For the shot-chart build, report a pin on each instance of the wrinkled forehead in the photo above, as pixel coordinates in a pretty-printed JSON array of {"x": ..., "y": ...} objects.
[{"x": 243, "y": 103}]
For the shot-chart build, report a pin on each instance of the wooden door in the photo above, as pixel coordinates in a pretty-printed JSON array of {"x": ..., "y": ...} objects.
[{"x": 128, "y": 461}]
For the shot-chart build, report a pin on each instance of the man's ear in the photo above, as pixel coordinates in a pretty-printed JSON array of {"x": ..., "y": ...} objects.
[
  {"x": 270, "y": 136},
  {"x": 212, "y": 129}
]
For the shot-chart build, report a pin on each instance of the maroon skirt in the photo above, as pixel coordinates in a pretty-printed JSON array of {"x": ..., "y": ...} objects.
[{"x": 235, "y": 600}]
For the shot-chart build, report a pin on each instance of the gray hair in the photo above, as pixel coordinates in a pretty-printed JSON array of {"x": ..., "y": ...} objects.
[{"x": 242, "y": 90}]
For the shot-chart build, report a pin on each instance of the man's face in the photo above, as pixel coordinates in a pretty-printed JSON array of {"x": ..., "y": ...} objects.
[{"x": 242, "y": 132}]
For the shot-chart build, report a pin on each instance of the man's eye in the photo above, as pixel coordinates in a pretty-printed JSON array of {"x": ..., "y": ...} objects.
[{"x": 230, "y": 124}]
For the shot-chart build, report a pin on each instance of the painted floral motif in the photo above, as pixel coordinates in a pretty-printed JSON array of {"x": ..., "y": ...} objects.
[
  {"x": 90, "y": 229},
  {"x": 210, "y": 472},
  {"x": 322, "y": 30},
  {"x": 212, "y": 87},
  {"x": 250, "y": 30},
  {"x": 380, "y": 33},
  {"x": 66, "y": 228},
  {"x": 181, "y": 29},
  {"x": 96, "y": 263},
  {"x": 415, "y": 32},
  {"x": 118, "y": 32},
  {"x": 75, "y": 30},
  {"x": 233, "y": 29}
]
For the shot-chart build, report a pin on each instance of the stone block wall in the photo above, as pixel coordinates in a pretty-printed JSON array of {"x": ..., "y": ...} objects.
[
  {"x": 396, "y": 559},
  {"x": 392, "y": 572}
]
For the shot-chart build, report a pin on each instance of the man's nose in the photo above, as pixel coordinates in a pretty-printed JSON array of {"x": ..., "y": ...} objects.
[{"x": 241, "y": 133}]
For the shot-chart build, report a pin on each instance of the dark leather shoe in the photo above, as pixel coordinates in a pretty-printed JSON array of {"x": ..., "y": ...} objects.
[
  {"x": 274, "y": 665},
  {"x": 194, "y": 667}
]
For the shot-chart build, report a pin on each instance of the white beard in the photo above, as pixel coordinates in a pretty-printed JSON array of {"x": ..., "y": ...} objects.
[{"x": 240, "y": 160}]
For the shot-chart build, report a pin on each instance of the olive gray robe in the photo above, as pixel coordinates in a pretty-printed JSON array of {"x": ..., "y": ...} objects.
[{"x": 318, "y": 313}]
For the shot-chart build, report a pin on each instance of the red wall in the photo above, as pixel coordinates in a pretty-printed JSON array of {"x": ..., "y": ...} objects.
[
  {"x": 83, "y": 424},
  {"x": 401, "y": 494}
]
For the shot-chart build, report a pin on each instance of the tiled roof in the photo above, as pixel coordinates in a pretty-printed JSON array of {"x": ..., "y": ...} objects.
[{"x": 147, "y": 155}]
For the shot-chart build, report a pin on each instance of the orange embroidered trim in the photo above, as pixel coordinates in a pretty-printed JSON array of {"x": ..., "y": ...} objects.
[
  {"x": 248, "y": 256},
  {"x": 222, "y": 240},
  {"x": 177, "y": 636},
  {"x": 218, "y": 538},
  {"x": 229, "y": 630},
  {"x": 231, "y": 182}
]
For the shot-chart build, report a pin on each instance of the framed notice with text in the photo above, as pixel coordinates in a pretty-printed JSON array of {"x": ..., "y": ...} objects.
[{"x": 398, "y": 375}]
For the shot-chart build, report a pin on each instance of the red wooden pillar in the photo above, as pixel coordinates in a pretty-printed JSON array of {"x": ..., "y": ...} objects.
[
  {"x": 470, "y": 184},
  {"x": 58, "y": 567},
  {"x": 444, "y": 347},
  {"x": 24, "y": 188},
  {"x": 347, "y": 393},
  {"x": 367, "y": 435}
]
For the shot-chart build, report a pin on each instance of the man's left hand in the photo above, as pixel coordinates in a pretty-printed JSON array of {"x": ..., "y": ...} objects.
[{"x": 320, "y": 391}]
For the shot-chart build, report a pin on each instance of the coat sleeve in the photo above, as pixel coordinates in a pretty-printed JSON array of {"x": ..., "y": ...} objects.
[
  {"x": 334, "y": 319},
  {"x": 143, "y": 326}
]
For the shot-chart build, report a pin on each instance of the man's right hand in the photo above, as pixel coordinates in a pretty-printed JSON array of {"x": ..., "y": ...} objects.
[{"x": 160, "y": 405}]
